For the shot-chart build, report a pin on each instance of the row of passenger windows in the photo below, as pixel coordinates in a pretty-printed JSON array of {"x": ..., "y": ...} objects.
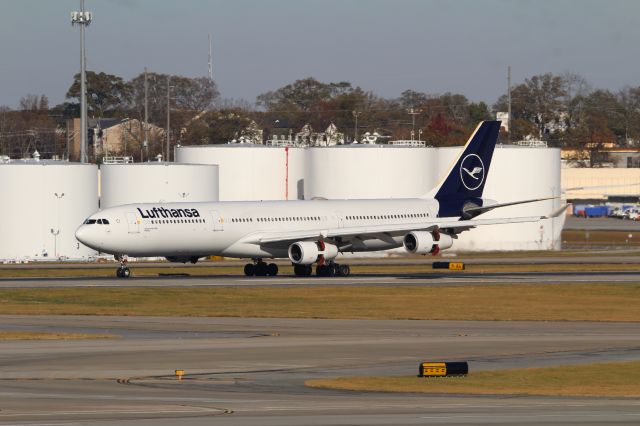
[
  {"x": 277, "y": 219},
  {"x": 98, "y": 221},
  {"x": 161, "y": 221},
  {"x": 390, "y": 216},
  {"x": 316, "y": 218}
]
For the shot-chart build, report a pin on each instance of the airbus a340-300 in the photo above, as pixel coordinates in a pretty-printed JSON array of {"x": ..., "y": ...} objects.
[{"x": 307, "y": 232}]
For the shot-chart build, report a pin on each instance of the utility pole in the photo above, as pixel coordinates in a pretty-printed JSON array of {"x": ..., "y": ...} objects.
[
  {"x": 82, "y": 18},
  {"x": 210, "y": 61},
  {"x": 413, "y": 112},
  {"x": 356, "y": 114},
  {"x": 509, "y": 103},
  {"x": 168, "y": 115},
  {"x": 146, "y": 114}
]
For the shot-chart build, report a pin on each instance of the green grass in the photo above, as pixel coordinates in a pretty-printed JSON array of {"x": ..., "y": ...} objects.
[
  {"x": 619, "y": 379},
  {"x": 536, "y": 302}
]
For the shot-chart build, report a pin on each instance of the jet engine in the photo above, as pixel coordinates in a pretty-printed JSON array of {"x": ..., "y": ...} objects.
[
  {"x": 424, "y": 242},
  {"x": 309, "y": 252},
  {"x": 182, "y": 259}
]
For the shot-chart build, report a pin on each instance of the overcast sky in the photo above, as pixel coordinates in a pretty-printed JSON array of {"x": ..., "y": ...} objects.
[{"x": 434, "y": 46}]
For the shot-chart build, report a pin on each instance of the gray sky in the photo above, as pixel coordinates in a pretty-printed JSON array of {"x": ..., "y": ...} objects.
[{"x": 434, "y": 46}]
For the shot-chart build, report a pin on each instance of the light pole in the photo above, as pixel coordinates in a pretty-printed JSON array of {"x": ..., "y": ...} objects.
[
  {"x": 146, "y": 116},
  {"x": 56, "y": 232},
  {"x": 356, "y": 114},
  {"x": 419, "y": 135},
  {"x": 55, "y": 242},
  {"x": 82, "y": 18},
  {"x": 168, "y": 114}
]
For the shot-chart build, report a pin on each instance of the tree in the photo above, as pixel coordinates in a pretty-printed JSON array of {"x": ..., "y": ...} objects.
[
  {"x": 28, "y": 129},
  {"x": 301, "y": 95},
  {"x": 31, "y": 102},
  {"x": 540, "y": 100},
  {"x": 107, "y": 94},
  {"x": 412, "y": 99},
  {"x": 215, "y": 127},
  {"x": 193, "y": 95}
]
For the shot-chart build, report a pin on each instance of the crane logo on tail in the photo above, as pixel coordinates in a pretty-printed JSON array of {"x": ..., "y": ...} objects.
[{"x": 472, "y": 171}]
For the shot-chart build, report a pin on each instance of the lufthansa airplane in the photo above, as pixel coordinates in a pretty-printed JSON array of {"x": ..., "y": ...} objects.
[{"x": 307, "y": 232}]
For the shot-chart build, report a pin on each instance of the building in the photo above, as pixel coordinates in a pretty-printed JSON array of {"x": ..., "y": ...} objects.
[{"x": 111, "y": 137}]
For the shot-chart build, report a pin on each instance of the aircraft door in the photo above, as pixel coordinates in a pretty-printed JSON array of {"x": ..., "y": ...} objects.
[
  {"x": 340, "y": 219},
  {"x": 133, "y": 223},
  {"x": 218, "y": 221}
]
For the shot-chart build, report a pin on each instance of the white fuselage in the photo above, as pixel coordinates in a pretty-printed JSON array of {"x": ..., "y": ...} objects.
[{"x": 220, "y": 228}]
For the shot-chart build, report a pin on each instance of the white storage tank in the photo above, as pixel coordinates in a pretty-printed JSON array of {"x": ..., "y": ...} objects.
[
  {"x": 43, "y": 203},
  {"x": 251, "y": 172},
  {"x": 157, "y": 183},
  {"x": 516, "y": 173},
  {"x": 369, "y": 171}
]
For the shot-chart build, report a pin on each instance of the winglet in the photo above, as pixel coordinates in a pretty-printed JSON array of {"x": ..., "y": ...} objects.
[{"x": 557, "y": 212}]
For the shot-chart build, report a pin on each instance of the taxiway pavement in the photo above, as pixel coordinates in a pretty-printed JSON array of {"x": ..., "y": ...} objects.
[
  {"x": 424, "y": 279},
  {"x": 252, "y": 371}
]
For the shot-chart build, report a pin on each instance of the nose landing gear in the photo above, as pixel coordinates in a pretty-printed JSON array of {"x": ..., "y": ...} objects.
[{"x": 123, "y": 271}]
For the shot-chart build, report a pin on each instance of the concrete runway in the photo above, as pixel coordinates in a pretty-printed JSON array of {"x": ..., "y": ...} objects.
[
  {"x": 251, "y": 371},
  {"x": 428, "y": 279}
]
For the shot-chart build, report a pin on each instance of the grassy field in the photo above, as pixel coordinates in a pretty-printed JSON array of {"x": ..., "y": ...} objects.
[
  {"x": 606, "y": 380},
  {"x": 31, "y": 335},
  {"x": 536, "y": 302}
]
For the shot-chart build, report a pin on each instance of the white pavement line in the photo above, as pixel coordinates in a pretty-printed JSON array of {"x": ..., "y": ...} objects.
[
  {"x": 40, "y": 424},
  {"x": 180, "y": 410},
  {"x": 493, "y": 417}
]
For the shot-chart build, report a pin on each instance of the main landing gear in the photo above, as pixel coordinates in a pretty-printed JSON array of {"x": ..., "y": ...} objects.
[
  {"x": 333, "y": 270},
  {"x": 325, "y": 270},
  {"x": 123, "y": 271},
  {"x": 260, "y": 269}
]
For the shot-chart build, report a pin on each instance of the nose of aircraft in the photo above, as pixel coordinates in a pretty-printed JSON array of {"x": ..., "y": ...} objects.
[{"x": 83, "y": 235}]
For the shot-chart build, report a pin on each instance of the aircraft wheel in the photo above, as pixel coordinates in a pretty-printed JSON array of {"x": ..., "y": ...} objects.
[
  {"x": 344, "y": 270},
  {"x": 123, "y": 272},
  {"x": 261, "y": 269},
  {"x": 272, "y": 269},
  {"x": 308, "y": 270},
  {"x": 321, "y": 270},
  {"x": 333, "y": 270},
  {"x": 249, "y": 269}
]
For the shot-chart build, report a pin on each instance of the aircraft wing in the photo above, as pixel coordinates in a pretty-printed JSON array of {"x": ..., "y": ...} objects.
[
  {"x": 376, "y": 230},
  {"x": 476, "y": 211}
]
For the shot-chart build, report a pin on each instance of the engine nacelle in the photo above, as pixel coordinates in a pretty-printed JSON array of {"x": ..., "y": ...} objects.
[
  {"x": 445, "y": 242},
  {"x": 423, "y": 242},
  {"x": 419, "y": 242},
  {"x": 182, "y": 259},
  {"x": 309, "y": 252}
]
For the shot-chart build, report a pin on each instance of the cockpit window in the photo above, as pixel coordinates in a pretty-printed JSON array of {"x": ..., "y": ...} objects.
[
  {"x": 105, "y": 221},
  {"x": 99, "y": 221},
  {"x": 89, "y": 221}
]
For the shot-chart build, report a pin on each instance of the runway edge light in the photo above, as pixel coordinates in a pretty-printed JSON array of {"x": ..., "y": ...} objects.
[{"x": 442, "y": 369}]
